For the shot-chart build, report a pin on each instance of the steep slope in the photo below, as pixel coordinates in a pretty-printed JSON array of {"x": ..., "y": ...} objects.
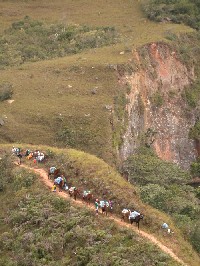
[
  {"x": 48, "y": 183},
  {"x": 88, "y": 172},
  {"x": 157, "y": 113}
]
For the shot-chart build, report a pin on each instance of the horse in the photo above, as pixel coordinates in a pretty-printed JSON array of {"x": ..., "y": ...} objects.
[
  {"x": 87, "y": 197},
  {"x": 55, "y": 173},
  {"x": 73, "y": 191},
  {"x": 125, "y": 214},
  {"x": 137, "y": 220},
  {"x": 104, "y": 207},
  {"x": 60, "y": 182}
]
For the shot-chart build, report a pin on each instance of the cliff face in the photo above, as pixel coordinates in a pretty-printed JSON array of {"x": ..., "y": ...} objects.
[{"x": 157, "y": 113}]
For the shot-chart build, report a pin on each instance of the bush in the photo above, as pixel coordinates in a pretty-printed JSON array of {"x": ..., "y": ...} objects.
[
  {"x": 22, "y": 179},
  {"x": 186, "y": 11},
  {"x": 157, "y": 99},
  {"x": 5, "y": 91},
  {"x": 194, "y": 132}
]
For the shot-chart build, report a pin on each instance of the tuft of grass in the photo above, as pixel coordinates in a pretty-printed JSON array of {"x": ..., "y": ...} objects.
[{"x": 6, "y": 91}]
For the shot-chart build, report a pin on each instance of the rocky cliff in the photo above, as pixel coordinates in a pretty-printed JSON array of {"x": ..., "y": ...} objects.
[{"x": 157, "y": 114}]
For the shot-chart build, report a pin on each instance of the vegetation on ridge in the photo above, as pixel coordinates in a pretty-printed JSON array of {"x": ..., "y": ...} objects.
[
  {"x": 163, "y": 186},
  {"x": 32, "y": 40},
  {"x": 177, "y": 11},
  {"x": 39, "y": 228}
]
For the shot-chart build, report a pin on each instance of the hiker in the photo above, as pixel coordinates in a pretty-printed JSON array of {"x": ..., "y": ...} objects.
[
  {"x": 17, "y": 150},
  {"x": 96, "y": 204},
  {"x": 19, "y": 155},
  {"x": 27, "y": 153},
  {"x": 53, "y": 188},
  {"x": 13, "y": 150},
  {"x": 30, "y": 156},
  {"x": 110, "y": 202},
  {"x": 65, "y": 187}
]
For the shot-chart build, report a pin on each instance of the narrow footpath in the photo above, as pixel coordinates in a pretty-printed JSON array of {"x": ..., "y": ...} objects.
[{"x": 48, "y": 183}]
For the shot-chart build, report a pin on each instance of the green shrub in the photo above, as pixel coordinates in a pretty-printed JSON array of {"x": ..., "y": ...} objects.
[
  {"x": 157, "y": 99},
  {"x": 186, "y": 11},
  {"x": 50, "y": 41},
  {"x": 195, "y": 168},
  {"x": 22, "y": 179},
  {"x": 195, "y": 236},
  {"x": 194, "y": 132},
  {"x": 5, "y": 91}
]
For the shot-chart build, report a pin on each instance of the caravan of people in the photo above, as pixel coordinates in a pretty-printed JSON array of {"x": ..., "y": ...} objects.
[
  {"x": 36, "y": 155},
  {"x": 60, "y": 182}
]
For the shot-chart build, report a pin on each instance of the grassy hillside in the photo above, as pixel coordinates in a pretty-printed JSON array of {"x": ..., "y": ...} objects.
[
  {"x": 73, "y": 100},
  {"x": 62, "y": 102},
  {"x": 88, "y": 172},
  {"x": 45, "y": 230}
]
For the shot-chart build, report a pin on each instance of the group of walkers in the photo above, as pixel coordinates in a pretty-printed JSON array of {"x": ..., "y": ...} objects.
[
  {"x": 105, "y": 205},
  {"x": 59, "y": 180},
  {"x": 36, "y": 155}
]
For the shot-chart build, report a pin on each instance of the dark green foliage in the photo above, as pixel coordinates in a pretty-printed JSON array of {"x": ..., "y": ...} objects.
[
  {"x": 5, "y": 91},
  {"x": 178, "y": 11},
  {"x": 195, "y": 131},
  {"x": 192, "y": 94},
  {"x": 145, "y": 168},
  {"x": 162, "y": 185},
  {"x": 31, "y": 40},
  {"x": 195, "y": 168},
  {"x": 195, "y": 236}
]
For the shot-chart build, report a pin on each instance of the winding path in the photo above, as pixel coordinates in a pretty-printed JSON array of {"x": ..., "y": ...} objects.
[{"x": 48, "y": 183}]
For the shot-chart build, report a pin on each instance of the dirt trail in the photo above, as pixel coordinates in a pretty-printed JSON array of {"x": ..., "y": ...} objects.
[{"x": 48, "y": 183}]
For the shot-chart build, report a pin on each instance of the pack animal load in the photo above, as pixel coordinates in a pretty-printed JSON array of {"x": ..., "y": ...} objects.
[
  {"x": 125, "y": 211},
  {"x": 58, "y": 180},
  {"x": 52, "y": 170},
  {"x": 72, "y": 189},
  {"x": 104, "y": 203},
  {"x": 133, "y": 215},
  {"x": 86, "y": 192}
]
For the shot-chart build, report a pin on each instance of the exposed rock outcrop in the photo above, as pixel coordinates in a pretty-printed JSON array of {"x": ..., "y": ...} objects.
[{"x": 156, "y": 109}]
